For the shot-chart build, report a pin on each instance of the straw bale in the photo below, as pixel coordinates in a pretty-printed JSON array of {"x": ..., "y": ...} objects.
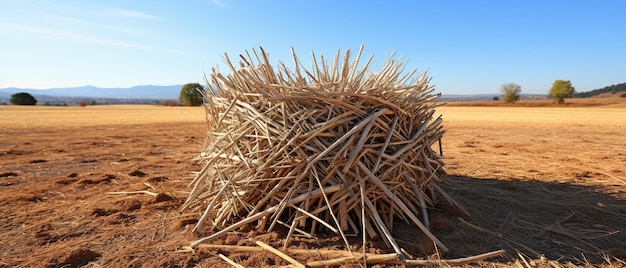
[{"x": 338, "y": 147}]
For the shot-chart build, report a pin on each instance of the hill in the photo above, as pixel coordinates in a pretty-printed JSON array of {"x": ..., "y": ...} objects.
[{"x": 609, "y": 90}]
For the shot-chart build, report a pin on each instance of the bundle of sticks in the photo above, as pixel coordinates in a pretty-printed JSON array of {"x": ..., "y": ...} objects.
[{"x": 336, "y": 147}]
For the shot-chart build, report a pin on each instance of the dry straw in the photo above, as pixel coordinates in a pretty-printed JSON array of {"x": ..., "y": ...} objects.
[{"x": 336, "y": 147}]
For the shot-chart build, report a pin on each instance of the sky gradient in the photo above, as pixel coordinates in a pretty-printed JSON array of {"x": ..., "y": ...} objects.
[{"x": 468, "y": 47}]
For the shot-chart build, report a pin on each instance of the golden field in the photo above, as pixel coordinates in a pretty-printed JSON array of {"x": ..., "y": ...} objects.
[
  {"x": 75, "y": 116},
  {"x": 547, "y": 181}
]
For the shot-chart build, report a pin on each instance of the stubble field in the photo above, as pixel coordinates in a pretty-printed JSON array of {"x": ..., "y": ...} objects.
[{"x": 101, "y": 186}]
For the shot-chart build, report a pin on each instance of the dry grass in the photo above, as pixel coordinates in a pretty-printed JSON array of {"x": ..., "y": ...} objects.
[
  {"x": 20, "y": 117},
  {"x": 554, "y": 144},
  {"x": 607, "y": 101},
  {"x": 604, "y": 119}
]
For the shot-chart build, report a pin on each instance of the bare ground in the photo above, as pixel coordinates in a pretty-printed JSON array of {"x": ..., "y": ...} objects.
[{"x": 537, "y": 182}]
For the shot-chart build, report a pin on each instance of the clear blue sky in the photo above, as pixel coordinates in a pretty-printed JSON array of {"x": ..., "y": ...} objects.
[{"x": 469, "y": 47}]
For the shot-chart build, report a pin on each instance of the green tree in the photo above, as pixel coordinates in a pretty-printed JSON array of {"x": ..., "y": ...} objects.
[
  {"x": 191, "y": 95},
  {"x": 510, "y": 92},
  {"x": 560, "y": 90},
  {"x": 23, "y": 98}
]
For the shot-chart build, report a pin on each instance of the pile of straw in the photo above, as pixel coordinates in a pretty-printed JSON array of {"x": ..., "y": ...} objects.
[{"x": 337, "y": 147}]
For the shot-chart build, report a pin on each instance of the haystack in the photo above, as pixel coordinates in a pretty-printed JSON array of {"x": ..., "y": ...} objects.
[{"x": 336, "y": 147}]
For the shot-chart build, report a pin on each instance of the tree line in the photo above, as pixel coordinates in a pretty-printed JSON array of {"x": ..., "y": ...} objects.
[{"x": 610, "y": 89}]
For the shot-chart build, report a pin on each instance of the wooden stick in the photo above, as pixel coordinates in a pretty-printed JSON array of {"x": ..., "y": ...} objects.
[
  {"x": 331, "y": 262},
  {"x": 370, "y": 258},
  {"x": 422, "y": 204},
  {"x": 230, "y": 228},
  {"x": 456, "y": 262},
  {"x": 350, "y": 133},
  {"x": 404, "y": 208},
  {"x": 280, "y": 254},
  {"x": 208, "y": 208},
  {"x": 383, "y": 228},
  {"x": 390, "y": 258},
  {"x": 259, "y": 215},
  {"x": 229, "y": 261}
]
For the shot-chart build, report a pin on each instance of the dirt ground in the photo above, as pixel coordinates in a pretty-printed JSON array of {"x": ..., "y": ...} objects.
[{"x": 102, "y": 186}]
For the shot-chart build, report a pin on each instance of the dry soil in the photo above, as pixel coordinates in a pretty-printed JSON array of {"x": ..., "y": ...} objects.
[{"x": 102, "y": 186}]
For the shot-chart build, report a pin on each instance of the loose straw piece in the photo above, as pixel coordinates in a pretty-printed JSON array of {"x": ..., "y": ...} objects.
[
  {"x": 456, "y": 262},
  {"x": 229, "y": 261},
  {"x": 370, "y": 259},
  {"x": 341, "y": 257},
  {"x": 280, "y": 254}
]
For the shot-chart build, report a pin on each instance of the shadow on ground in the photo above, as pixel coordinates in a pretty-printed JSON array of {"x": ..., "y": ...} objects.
[{"x": 562, "y": 222}]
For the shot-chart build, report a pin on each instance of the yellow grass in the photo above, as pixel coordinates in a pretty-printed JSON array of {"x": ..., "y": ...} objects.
[
  {"x": 608, "y": 101},
  {"x": 580, "y": 145},
  {"x": 598, "y": 118},
  {"x": 603, "y": 118},
  {"x": 20, "y": 117}
]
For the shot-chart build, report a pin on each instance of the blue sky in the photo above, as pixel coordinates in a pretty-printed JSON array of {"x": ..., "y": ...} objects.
[{"x": 469, "y": 47}]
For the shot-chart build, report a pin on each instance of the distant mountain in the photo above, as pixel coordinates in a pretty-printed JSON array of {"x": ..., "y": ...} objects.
[{"x": 137, "y": 92}]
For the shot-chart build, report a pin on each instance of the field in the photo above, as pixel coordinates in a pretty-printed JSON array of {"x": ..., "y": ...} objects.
[{"x": 101, "y": 186}]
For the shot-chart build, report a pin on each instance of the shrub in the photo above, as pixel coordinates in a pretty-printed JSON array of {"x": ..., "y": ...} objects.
[
  {"x": 511, "y": 92},
  {"x": 23, "y": 98}
]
